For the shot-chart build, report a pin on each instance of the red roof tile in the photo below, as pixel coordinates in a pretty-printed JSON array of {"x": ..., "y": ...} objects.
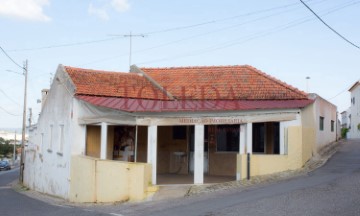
[
  {"x": 222, "y": 83},
  {"x": 113, "y": 84}
]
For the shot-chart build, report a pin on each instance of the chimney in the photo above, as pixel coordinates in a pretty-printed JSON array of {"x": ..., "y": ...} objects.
[{"x": 44, "y": 94}]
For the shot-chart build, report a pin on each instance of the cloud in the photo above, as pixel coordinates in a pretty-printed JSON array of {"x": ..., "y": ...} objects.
[
  {"x": 99, "y": 12},
  {"x": 102, "y": 11},
  {"x": 120, "y": 5},
  {"x": 24, "y": 9}
]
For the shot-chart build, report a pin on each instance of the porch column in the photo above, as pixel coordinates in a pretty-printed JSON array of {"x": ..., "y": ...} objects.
[
  {"x": 199, "y": 155},
  {"x": 242, "y": 139},
  {"x": 103, "y": 143},
  {"x": 249, "y": 127},
  {"x": 152, "y": 150},
  {"x": 282, "y": 138},
  {"x": 241, "y": 151}
]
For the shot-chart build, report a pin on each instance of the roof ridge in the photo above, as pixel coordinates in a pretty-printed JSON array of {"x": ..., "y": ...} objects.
[
  {"x": 194, "y": 67},
  {"x": 94, "y": 70},
  {"x": 284, "y": 84}
]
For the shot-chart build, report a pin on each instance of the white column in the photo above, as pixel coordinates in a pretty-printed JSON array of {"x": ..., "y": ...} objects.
[
  {"x": 282, "y": 138},
  {"x": 249, "y": 138},
  {"x": 103, "y": 144},
  {"x": 242, "y": 139},
  {"x": 199, "y": 155},
  {"x": 152, "y": 150},
  {"x": 242, "y": 143}
]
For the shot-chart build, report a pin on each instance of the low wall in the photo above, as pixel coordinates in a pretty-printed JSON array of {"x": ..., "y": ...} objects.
[
  {"x": 300, "y": 142},
  {"x": 95, "y": 180}
]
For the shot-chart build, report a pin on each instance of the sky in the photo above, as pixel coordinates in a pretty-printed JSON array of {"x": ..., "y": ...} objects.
[{"x": 281, "y": 38}]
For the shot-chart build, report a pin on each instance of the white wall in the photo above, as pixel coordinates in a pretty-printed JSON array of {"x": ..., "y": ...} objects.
[
  {"x": 47, "y": 167},
  {"x": 354, "y": 133},
  {"x": 327, "y": 110}
]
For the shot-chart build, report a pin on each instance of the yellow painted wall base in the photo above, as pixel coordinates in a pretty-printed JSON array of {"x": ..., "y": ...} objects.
[
  {"x": 95, "y": 180},
  {"x": 299, "y": 144}
]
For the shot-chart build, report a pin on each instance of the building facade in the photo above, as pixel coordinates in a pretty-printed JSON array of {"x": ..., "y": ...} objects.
[
  {"x": 354, "y": 116},
  {"x": 112, "y": 136}
]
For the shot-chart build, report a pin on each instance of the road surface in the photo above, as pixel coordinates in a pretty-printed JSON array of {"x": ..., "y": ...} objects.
[{"x": 333, "y": 189}]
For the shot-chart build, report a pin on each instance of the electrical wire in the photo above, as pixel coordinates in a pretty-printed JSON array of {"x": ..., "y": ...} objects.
[
  {"x": 340, "y": 35},
  {"x": 66, "y": 45},
  {"x": 206, "y": 33},
  {"x": 253, "y": 36},
  {"x": 8, "y": 112},
  {"x": 7, "y": 55},
  {"x": 7, "y": 96},
  {"x": 159, "y": 31}
]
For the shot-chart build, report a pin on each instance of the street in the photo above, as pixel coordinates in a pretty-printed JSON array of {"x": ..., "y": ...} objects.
[
  {"x": 14, "y": 203},
  {"x": 333, "y": 189}
]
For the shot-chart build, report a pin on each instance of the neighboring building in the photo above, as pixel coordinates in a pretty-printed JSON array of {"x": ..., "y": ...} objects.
[
  {"x": 354, "y": 117},
  {"x": 345, "y": 118},
  {"x": 324, "y": 119},
  {"x": 111, "y": 136}
]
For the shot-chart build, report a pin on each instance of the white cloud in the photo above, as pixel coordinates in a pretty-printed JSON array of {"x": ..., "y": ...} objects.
[
  {"x": 99, "y": 12},
  {"x": 102, "y": 11},
  {"x": 120, "y": 5},
  {"x": 24, "y": 9}
]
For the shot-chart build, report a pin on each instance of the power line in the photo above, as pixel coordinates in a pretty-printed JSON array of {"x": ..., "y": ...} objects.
[
  {"x": 223, "y": 19},
  {"x": 9, "y": 98},
  {"x": 65, "y": 45},
  {"x": 329, "y": 26},
  {"x": 159, "y": 31},
  {"x": 8, "y": 112},
  {"x": 11, "y": 58},
  {"x": 255, "y": 35},
  {"x": 206, "y": 33}
]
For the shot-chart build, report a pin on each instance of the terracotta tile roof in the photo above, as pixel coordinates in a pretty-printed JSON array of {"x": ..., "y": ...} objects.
[
  {"x": 112, "y": 84},
  {"x": 223, "y": 83}
]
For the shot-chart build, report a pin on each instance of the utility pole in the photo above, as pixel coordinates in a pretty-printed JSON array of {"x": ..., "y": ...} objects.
[
  {"x": 21, "y": 178},
  {"x": 14, "y": 154},
  {"x": 130, "y": 36}
]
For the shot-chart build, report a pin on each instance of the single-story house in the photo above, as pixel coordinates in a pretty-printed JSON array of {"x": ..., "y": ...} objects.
[{"x": 113, "y": 136}]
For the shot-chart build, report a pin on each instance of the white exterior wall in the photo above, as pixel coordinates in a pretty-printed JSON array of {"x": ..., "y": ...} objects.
[
  {"x": 47, "y": 167},
  {"x": 311, "y": 119},
  {"x": 354, "y": 132}
]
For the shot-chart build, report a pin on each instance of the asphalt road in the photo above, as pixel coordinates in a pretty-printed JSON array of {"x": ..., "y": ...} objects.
[
  {"x": 13, "y": 203},
  {"x": 333, "y": 189}
]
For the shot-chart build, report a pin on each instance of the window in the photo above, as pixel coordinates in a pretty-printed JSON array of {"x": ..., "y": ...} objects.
[
  {"x": 51, "y": 139},
  {"x": 266, "y": 138},
  {"x": 332, "y": 126},
  {"x": 61, "y": 143},
  {"x": 321, "y": 125},
  {"x": 227, "y": 137}
]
